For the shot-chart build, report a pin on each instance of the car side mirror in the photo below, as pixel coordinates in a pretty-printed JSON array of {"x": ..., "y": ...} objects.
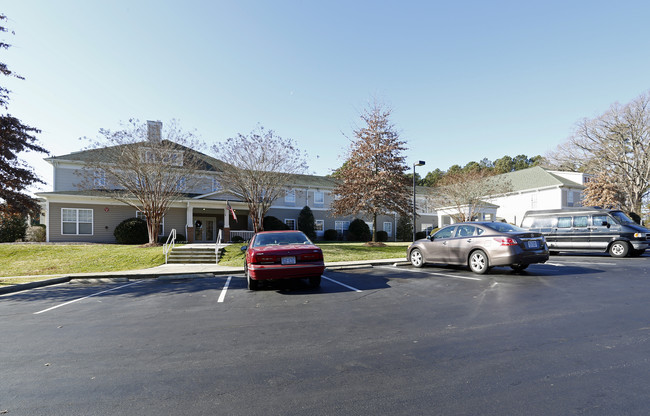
[
  {"x": 244, "y": 248},
  {"x": 430, "y": 237}
]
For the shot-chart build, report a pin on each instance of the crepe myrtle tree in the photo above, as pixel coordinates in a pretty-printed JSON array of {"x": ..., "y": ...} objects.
[
  {"x": 258, "y": 167},
  {"x": 144, "y": 166},
  {"x": 468, "y": 193},
  {"x": 372, "y": 180}
]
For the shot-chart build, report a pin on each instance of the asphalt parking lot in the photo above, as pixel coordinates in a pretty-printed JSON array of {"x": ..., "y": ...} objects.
[{"x": 567, "y": 337}]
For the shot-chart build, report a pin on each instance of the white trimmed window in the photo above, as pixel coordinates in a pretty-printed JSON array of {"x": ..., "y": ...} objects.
[
  {"x": 75, "y": 221},
  {"x": 180, "y": 185},
  {"x": 99, "y": 178},
  {"x": 341, "y": 226},
  {"x": 319, "y": 227},
  {"x": 319, "y": 198},
  {"x": 388, "y": 227},
  {"x": 216, "y": 186},
  {"x": 290, "y": 196},
  {"x": 161, "y": 227},
  {"x": 291, "y": 223}
]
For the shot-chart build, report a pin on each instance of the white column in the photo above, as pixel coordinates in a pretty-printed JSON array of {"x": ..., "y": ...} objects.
[{"x": 226, "y": 217}]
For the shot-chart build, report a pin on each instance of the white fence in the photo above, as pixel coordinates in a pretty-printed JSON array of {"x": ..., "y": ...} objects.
[{"x": 245, "y": 235}]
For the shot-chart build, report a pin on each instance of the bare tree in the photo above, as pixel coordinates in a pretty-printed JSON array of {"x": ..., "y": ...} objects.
[
  {"x": 468, "y": 193},
  {"x": 144, "y": 167},
  {"x": 258, "y": 167},
  {"x": 372, "y": 180},
  {"x": 616, "y": 143}
]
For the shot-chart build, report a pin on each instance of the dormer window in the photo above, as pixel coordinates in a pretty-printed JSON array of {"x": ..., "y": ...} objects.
[
  {"x": 290, "y": 196},
  {"x": 99, "y": 178}
]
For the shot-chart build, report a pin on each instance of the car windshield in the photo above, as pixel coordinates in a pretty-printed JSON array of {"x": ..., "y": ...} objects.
[
  {"x": 271, "y": 239},
  {"x": 622, "y": 218},
  {"x": 504, "y": 227}
]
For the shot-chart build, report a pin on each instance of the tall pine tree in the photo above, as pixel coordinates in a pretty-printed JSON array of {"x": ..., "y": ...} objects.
[{"x": 372, "y": 181}]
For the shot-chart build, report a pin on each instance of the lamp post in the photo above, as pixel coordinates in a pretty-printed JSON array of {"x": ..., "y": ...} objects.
[{"x": 419, "y": 163}]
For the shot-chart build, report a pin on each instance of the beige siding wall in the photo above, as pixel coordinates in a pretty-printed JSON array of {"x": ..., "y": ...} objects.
[{"x": 105, "y": 219}]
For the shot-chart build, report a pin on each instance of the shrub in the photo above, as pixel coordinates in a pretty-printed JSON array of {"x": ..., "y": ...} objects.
[
  {"x": 359, "y": 231},
  {"x": 635, "y": 217},
  {"x": 306, "y": 223},
  {"x": 12, "y": 227},
  {"x": 331, "y": 235},
  {"x": 382, "y": 236},
  {"x": 237, "y": 239},
  {"x": 404, "y": 230},
  {"x": 271, "y": 223},
  {"x": 420, "y": 235},
  {"x": 35, "y": 233},
  {"x": 132, "y": 231}
]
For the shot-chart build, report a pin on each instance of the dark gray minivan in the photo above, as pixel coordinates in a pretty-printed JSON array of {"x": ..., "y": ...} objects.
[{"x": 588, "y": 229}]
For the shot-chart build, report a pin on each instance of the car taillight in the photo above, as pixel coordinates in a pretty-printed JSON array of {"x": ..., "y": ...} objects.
[
  {"x": 315, "y": 256},
  {"x": 263, "y": 258},
  {"x": 505, "y": 241}
]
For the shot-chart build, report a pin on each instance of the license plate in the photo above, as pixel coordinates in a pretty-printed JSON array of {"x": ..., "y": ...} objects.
[
  {"x": 533, "y": 244},
  {"x": 288, "y": 260}
]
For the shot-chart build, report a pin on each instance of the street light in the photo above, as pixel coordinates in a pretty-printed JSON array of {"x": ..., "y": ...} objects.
[{"x": 420, "y": 163}]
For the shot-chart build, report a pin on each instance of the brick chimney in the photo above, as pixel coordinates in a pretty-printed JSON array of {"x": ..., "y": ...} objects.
[{"x": 153, "y": 131}]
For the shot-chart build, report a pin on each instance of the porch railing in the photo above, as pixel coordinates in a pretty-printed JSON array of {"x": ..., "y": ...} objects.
[
  {"x": 245, "y": 235},
  {"x": 169, "y": 244}
]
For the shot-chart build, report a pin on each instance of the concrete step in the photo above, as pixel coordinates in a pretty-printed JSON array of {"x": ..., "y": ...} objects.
[{"x": 195, "y": 255}]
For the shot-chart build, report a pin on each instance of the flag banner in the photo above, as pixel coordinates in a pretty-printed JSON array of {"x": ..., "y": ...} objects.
[{"x": 232, "y": 211}]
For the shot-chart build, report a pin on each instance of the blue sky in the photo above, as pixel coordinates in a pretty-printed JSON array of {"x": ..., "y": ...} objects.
[{"x": 465, "y": 79}]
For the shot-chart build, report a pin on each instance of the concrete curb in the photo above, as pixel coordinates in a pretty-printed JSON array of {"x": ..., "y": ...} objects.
[{"x": 162, "y": 274}]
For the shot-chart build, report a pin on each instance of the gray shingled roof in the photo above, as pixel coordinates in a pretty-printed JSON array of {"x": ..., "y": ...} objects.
[
  {"x": 209, "y": 163},
  {"x": 534, "y": 178}
]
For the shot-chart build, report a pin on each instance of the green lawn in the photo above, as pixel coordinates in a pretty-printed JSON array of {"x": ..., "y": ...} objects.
[
  {"x": 48, "y": 259},
  {"x": 38, "y": 259},
  {"x": 332, "y": 252}
]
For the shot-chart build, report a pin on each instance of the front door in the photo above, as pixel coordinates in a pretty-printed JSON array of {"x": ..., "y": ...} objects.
[{"x": 205, "y": 229}]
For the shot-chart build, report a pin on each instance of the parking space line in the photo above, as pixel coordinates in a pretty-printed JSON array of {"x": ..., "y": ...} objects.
[
  {"x": 565, "y": 263},
  {"x": 85, "y": 297},
  {"x": 224, "y": 290},
  {"x": 433, "y": 273},
  {"x": 342, "y": 284}
]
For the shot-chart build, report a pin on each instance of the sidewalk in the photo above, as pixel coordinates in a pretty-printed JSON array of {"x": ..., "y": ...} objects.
[{"x": 175, "y": 271}]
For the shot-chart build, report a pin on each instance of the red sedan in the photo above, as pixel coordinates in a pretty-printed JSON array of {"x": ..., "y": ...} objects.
[{"x": 282, "y": 255}]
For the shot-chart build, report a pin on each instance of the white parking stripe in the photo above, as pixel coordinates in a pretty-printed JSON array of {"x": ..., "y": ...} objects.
[
  {"x": 433, "y": 273},
  {"x": 342, "y": 284},
  {"x": 224, "y": 290},
  {"x": 565, "y": 263},
  {"x": 85, "y": 297}
]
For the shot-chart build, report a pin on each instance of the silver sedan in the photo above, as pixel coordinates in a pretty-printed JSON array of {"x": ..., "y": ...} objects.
[{"x": 480, "y": 246}]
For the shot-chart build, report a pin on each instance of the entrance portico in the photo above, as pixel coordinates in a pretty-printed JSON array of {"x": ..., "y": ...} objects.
[{"x": 205, "y": 217}]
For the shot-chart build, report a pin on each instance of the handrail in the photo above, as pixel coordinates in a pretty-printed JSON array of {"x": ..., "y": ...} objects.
[
  {"x": 217, "y": 245},
  {"x": 169, "y": 246}
]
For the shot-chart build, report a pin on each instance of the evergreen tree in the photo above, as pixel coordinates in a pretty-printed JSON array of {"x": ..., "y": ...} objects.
[
  {"x": 15, "y": 137},
  {"x": 306, "y": 223}
]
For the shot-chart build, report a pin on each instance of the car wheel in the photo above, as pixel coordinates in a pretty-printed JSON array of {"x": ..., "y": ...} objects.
[
  {"x": 252, "y": 284},
  {"x": 314, "y": 282},
  {"x": 619, "y": 249},
  {"x": 519, "y": 267},
  {"x": 478, "y": 262},
  {"x": 416, "y": 258}
]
